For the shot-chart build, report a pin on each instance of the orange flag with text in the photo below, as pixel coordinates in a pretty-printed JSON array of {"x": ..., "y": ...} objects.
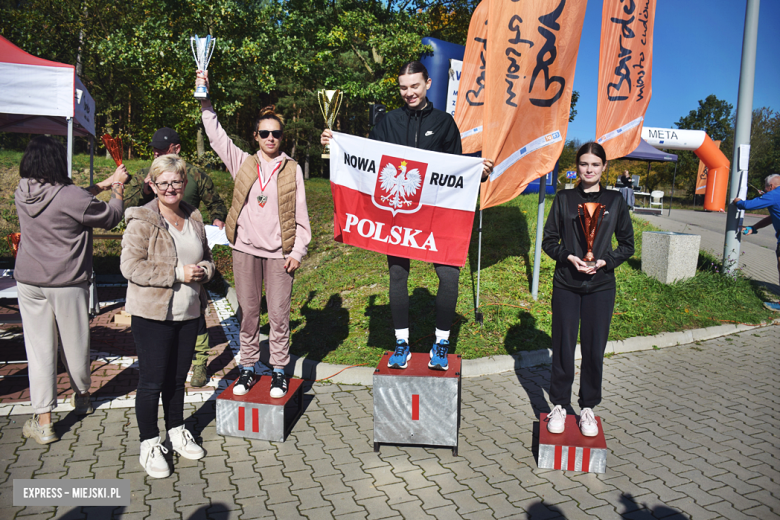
[
  {"x": 625, "y": 73},
  {"x": 471, "y": 90},
  {"x": 531, "y": 56}
]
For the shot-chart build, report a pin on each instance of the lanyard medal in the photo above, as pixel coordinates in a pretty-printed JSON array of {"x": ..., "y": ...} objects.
[{"x": 263, "y": 198}]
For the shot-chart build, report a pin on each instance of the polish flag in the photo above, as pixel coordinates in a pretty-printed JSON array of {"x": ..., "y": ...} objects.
[{"x": 403, "y": 201}]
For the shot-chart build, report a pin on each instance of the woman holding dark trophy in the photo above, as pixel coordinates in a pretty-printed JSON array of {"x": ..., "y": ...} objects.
[{"x": 578, "y": 236}]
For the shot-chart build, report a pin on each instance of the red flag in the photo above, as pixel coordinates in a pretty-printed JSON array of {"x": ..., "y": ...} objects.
[
  {"x": 531, "y": 56},
  {"x": 471, "y": 98},
  {"x": 625, "y": 73}
]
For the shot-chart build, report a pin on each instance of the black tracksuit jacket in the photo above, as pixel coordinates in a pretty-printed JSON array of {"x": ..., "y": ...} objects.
[
  {"x": 427, "y": 129},
  {"x": 563, "y": 236}
]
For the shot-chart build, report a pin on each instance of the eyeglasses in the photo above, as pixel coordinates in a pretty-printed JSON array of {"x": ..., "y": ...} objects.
[
  {"x": 264, "y": 133},
  {"x": 177, "y": 185}
]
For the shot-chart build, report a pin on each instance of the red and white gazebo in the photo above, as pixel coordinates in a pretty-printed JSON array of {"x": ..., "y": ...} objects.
[{"x": 39, "y": 96}]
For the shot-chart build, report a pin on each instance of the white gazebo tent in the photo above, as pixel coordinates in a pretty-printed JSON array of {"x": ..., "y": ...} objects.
[{"x": 39, "y": 96}]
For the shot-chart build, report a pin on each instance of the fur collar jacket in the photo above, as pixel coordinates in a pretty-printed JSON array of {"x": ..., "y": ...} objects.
[{"x": 149, "y": 260}]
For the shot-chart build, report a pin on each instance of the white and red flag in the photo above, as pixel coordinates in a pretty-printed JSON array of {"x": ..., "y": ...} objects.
[{"x": 403, "y": 201}]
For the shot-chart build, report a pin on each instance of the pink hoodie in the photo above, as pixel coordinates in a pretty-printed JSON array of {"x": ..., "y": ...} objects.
[{"x": 258, "y": 232}]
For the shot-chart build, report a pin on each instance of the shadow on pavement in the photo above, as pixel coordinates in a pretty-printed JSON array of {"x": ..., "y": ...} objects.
[{"x": 635, "y": 511}]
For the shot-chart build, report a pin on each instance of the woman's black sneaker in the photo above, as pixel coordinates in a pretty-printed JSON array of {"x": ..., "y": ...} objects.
[
  {"x": 278, "y": 385},
  {"x": 245, "y": 381}
]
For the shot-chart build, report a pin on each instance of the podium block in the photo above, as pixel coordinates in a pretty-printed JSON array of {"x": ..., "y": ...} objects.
[
  {"x": 417, "y": 405},
  {"x": 257, "y": 415},
  {"x": 571, "y": 450}
]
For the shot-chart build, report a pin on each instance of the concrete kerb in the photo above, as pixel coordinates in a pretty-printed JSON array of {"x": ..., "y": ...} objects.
[{"x": 313, "y": 370}]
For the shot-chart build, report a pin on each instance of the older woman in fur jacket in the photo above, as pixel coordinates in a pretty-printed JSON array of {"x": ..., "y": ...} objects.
[{"x": 166, "y": 259}]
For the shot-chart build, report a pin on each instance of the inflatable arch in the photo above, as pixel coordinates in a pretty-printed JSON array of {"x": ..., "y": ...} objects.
[{"x": 705, "y": 149}]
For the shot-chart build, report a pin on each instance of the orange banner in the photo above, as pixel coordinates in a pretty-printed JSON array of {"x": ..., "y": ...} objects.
[
  {"x": 625, "y": 74},
  {"x": 471, "y": 98},
  {"x": 531, "y": 56},
  {"x": 701, "y": 176}
]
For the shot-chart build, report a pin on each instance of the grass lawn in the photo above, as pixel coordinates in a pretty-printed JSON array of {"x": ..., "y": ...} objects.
[{"x": 341, "y": 312}]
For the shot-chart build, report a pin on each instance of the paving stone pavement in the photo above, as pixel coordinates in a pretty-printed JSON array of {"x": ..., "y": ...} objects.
[{"x": 692, "y": 433}]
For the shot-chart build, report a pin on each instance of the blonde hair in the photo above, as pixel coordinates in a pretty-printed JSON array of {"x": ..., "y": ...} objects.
[{"x": 168, "y": 163}]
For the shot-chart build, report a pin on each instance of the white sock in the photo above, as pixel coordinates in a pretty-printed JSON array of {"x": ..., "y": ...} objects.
[
  {"x": 402, "y": 334},
  {"x": 442, "y": 334}
]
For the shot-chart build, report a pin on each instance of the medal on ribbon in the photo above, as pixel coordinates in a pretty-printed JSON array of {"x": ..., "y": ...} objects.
[{"x": 262, "y": 199}]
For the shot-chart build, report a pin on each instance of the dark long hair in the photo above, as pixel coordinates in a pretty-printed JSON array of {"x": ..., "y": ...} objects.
[
  {"x": 413, "y": 67},
  {"x": 46, "y": 161},
  {"x": 593, "y": 148}
]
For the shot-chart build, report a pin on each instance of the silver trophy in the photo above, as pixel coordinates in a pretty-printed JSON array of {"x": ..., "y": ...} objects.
[{"x": 202, "y": 49}]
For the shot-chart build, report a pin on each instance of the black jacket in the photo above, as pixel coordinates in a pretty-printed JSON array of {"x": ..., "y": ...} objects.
[
  {"x": 427, "y": 129},
  {"x": 563, "y": 236}
]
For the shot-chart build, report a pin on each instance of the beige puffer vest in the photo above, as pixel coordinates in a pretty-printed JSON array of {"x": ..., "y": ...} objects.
[{"x": 286, "y": 188}]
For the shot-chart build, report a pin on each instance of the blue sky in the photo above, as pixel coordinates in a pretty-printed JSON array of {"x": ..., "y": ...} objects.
[{"x": 697, "y": 52}]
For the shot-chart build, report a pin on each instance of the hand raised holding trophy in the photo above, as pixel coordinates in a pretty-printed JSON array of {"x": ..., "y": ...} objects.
[
  {"x": 330, "y": 102},
  {"x": 202, "y": 49}
]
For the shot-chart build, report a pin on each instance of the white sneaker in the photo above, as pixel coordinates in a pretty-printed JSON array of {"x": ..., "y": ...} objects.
[
  {"x": 588, "y": 425},
  {"x": 246, "y": 379},
  {"x": 153, "y": 460},
  {"x": 556, "y": 420},
  {"x": 184, "y": 443}
]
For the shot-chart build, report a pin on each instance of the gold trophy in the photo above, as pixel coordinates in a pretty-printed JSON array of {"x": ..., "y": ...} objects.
[
  {"x": 591, "y": 214},
  {"x": 330, "y": 102}
]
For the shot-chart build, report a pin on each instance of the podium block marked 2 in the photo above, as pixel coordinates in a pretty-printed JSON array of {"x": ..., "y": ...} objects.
[
  {"x": 571, "y": 450},
  {"x": 257, "y": 415},
  {"x": 417, "y": 405}
]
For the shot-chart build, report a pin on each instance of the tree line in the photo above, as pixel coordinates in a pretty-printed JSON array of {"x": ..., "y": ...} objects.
[{"x": 135, "y": 59}]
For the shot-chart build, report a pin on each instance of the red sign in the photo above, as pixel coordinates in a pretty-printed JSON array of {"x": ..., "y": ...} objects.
[{"x": 399, "y": 185}]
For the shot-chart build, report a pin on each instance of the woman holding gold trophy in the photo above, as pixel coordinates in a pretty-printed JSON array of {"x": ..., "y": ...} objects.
[
  {"x": 578, "y": 236},
  {"x": 268, "y": 229}
]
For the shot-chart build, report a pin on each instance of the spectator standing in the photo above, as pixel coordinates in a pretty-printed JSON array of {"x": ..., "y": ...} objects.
[
  {"x": 52, "y": 272},
  {"x": 771, "y": 200},
  {"x": 200, "y": 188}
]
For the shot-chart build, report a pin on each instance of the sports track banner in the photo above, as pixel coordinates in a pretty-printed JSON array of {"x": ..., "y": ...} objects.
[
  {"x": 403, "y": 201},
  {"x": 531, "y": 56},
  {"x": 625, "y": 73},
  {"x": 701, "y": 179},
  {"x": 471, "y": 89}
]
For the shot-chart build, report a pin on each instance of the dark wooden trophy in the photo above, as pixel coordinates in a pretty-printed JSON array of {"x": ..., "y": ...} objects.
[{"x": 591, "y": 214}]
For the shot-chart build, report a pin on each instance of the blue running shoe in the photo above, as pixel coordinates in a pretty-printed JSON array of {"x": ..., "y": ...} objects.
[
  {"x": 400, "y": 356},
  {"x": 439, "y": 355},
  {"x": 773, "y": 306}
]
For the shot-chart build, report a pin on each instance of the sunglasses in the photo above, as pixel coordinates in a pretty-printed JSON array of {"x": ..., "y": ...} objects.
[{"x": 264, "y": 133}]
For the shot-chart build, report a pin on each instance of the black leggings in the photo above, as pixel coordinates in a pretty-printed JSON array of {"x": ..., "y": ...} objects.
[
  {"x": 591, "y": 314},
  {"x": 446, "y": 295},
  {"x": 164, "y": 350}
]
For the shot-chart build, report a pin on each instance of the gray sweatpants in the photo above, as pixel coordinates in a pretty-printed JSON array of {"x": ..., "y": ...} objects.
[
  {"x": 45, "y": 312},
  {"x": 250, "y": 272}
]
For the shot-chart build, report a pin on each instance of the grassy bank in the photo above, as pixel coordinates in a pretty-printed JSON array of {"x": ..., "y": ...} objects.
[{"x": 341, "y": 311}]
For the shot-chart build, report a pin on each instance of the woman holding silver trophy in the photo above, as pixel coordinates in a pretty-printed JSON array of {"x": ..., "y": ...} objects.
[
  {"x": 578, "y": 236},
  {"x": 268, "y": 228}
]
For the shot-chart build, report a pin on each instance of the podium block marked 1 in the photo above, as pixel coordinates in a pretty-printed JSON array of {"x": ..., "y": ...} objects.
[
  {"x": 417, "y": 405},
  {"x": 257, "y": 415},
  {"x": 571, "y": 450}
]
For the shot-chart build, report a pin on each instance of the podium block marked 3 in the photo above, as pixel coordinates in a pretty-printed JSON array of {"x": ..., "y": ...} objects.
[
  {"x": 257, "y": 415},
  {"x": 417, "y": 405},
  {"x": 571, "y": 450}
]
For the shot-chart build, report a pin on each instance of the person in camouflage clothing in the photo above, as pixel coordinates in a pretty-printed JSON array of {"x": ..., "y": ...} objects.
[{"x": 200, "y": 188}]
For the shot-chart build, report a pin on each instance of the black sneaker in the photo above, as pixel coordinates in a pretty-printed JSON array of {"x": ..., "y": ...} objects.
[
  {"x": 278, "y": 385},
  {"x": 245, "y": 381}
]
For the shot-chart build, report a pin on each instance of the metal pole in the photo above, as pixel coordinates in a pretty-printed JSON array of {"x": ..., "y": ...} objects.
[
  {"x": 671, "y": 199},
  {"x": 747, "y": 75},
  {"x": 70, "y": 147},
  {"x": 539, "y": 231},
  {"x": 477, "y": 314},
  {"x": 91, "y": 159}
]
